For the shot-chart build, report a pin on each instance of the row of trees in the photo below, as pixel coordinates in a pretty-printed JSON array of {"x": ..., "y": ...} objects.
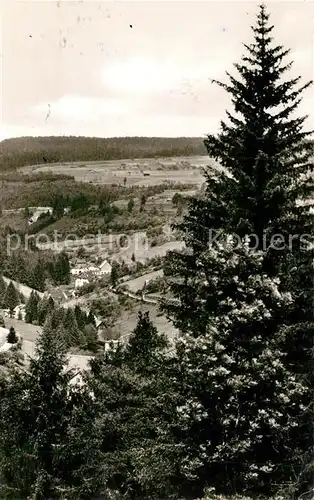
[{"x": 230, "y": 405}]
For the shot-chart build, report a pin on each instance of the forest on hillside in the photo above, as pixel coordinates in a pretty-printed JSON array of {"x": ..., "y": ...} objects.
[{"x": 19, "y": 152}]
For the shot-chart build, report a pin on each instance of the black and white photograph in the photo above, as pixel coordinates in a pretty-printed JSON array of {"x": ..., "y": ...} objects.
[{"x": 156, "y": 250}]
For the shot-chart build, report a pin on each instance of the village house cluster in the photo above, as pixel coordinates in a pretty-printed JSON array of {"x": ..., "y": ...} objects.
[{"x": 85, "y": 273}]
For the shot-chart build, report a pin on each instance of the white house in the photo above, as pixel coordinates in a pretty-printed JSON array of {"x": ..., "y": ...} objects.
[
  {"x": 79, "y": 282},
  {"x": 77, "y": 380},
  {"x": 38, "y": 212},
  {"x": 105, "y": 267},
  {"x": 112, "y": 344}
]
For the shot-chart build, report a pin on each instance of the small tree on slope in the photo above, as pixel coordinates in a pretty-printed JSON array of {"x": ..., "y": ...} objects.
[
  {"x": 11, "y": 298},
  {"x": 12, "y": 337},
  {"x": 146, "y": 345}
]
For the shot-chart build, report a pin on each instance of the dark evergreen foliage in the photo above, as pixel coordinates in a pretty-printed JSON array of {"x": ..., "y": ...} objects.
[
  {"x": 11, "y": 297},
  {"x": 266, "y": 163},
  {"x": 52, "y": 450},
  {"x": 12, "y": 337},
  {"x": 31, "y": 308}
]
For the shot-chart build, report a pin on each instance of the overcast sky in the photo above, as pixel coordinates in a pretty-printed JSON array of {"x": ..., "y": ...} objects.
[{"x": 133, "y": 68}]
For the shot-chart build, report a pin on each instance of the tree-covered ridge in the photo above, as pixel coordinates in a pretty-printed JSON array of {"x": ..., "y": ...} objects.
[{"x": 23, "y": 151}]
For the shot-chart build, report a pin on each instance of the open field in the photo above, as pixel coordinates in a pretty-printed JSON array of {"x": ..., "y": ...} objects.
[
  {"x": 128, "y": 320},
  {"x": 28, "y": 331},
  {"x": 140, "y": 172},
  {"x": 138, "y": 283}
]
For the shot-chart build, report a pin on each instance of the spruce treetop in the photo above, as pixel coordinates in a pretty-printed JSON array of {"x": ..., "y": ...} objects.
[{"x": 265, "y": 153}]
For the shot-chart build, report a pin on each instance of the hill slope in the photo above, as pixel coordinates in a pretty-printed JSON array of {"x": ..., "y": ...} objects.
[{"x": 23, "y": 151}]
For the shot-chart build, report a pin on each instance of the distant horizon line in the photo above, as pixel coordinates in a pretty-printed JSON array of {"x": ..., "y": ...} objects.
[{"x": 106, "y": 137}]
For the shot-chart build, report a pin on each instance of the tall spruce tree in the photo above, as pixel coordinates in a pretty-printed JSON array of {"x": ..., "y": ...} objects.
[
  {"x": 61, "y": 269},
  {"x": 45, "y": 308},
  {"x": 265, "y": 158},
  {"x": 80, "y": 317},
  {"x": 266, "y": 162},
  {"x": 74, "y": 336},
  {"x": 38, "y": 277},
  {"x": 57, "y": 317},
  {"x": 12, "y": 337}
]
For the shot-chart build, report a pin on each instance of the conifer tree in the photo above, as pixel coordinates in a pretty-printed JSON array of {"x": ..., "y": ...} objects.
[
  {"x": 79, "y": 316},
  {"x": 45, "y": 308},
  {"x": 11, "y": 299},
  {"x": 242, "y": 404},
  {"x": 114, "y": 275},
  {"x": 31, "y": 308},
  {"x": 12, "y": 337},
  {"x": 61, "y": 269},
  {"x": 145, "y": 345},
  {"x": 57, "y": 317},
  {"x": 38, "y": 277},
  {"x": 71, "y": 329},
  {"x": 265, "y": 158}
]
